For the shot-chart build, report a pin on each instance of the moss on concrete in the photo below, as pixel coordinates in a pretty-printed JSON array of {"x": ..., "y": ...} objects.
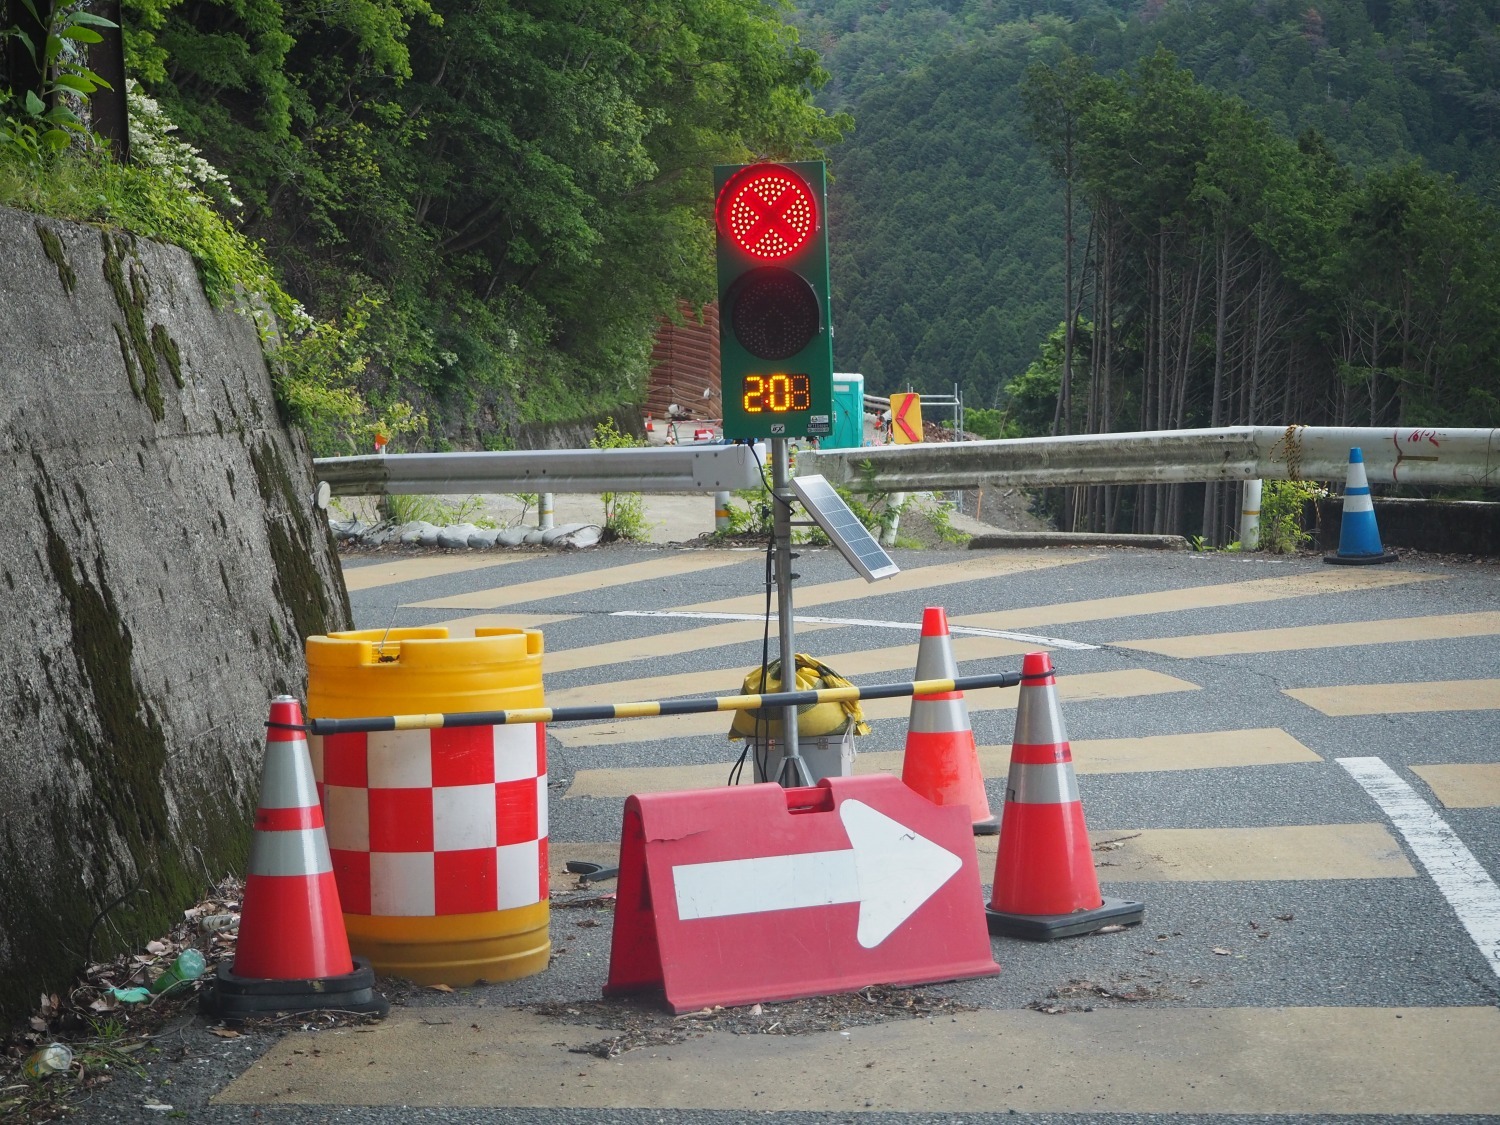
[
  {"x": 130, "y": 297},
  {"x": 30, "y": 904},
  {"x": 127, "y": 356},
  {"x": 299, "y": 585},
  {"x": 166, "y": 347},
  {"x": 115, "y": 833},
  {"x": 52, "y": 246},
  {"x": 131, "y": 753}
]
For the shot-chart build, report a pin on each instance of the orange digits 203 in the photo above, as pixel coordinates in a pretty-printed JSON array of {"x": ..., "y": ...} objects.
[{"x": 776, "y": 394}]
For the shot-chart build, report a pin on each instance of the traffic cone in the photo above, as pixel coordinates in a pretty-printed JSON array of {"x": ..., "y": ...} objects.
[
  {"x": 292, "y": 953},
  {"x": 1045, "y": 886},
  {"x": 1359, "y": 538},
  {"x": 941, "y": 760}
]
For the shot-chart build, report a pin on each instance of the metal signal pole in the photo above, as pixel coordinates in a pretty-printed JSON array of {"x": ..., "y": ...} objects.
[{"x": 793, "y": 772}]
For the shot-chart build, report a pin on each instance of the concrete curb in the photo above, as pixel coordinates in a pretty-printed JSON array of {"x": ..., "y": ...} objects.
[{"x": 1076, "y": 539}]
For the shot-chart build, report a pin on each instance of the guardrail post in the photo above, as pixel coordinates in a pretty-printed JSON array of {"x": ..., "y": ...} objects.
[
  {"x": 546, "y": 512},
  {"x": 897, "y": 501},
  {"x": 1250, "y": 516}
]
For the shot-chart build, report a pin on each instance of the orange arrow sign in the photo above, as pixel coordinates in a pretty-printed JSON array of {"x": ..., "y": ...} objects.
[{"x": 906, "y": 418}]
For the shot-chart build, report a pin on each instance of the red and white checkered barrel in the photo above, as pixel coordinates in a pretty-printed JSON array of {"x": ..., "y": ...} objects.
[{"x": 438, "y": 837}]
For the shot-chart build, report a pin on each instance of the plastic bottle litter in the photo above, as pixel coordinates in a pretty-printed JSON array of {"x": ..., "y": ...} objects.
[
  {"x": 55, "y": 1058},
  {"x": 189, "y": 966}
]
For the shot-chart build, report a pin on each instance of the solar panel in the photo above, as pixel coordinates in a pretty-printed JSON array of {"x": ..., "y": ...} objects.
[{"x": 854, "y": 541}]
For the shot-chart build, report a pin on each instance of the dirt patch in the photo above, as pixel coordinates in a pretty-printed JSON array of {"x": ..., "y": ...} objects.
[
  {"x": 1085, "y": 995},
  {"x": 636, "y": 1022}
]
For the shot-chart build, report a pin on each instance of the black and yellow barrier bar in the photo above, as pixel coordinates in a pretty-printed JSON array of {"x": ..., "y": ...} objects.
[{"x": 651, "y": 707}]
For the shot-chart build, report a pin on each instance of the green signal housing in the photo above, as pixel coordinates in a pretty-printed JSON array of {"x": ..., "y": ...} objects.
[{"x": 775, "y": 331}]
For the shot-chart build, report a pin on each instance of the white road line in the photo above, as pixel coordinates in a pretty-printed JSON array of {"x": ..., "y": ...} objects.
[
  {"x": 1464, "y": 882},
  {"x": 957, "y": 630}
]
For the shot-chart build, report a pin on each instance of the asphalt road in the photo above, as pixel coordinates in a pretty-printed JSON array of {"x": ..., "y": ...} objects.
[{"x": 1296, "y": 767}]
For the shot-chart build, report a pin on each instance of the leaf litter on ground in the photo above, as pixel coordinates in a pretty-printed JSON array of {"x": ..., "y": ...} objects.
[{"x": 640, "y": 1022}]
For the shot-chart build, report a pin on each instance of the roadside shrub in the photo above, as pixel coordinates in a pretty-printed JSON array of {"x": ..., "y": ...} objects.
[
  {"x": 624, "y": 512},
  {"x": 1281, "y": 506}
]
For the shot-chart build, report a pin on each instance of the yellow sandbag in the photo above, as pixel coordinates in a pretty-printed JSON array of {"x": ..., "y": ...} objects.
[{"x": 813, "y": 720}]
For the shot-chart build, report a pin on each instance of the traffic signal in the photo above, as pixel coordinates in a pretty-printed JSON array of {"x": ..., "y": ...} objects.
[{"x": 775, "y": 334}]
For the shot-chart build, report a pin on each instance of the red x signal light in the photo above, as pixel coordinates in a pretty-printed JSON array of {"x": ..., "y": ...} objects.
[{"x": 767, "y": 212}]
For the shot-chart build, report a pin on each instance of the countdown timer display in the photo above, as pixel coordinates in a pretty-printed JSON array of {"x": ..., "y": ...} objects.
[{"x": 776, "y": 394}]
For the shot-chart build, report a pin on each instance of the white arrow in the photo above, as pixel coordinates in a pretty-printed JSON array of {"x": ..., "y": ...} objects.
[{"x": 889, "y": 869}]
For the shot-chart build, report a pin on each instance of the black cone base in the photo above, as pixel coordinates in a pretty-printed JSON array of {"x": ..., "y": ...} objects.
[
  {"x": 989, "y": 827},
  {"x": 1049, "y": 927},
  {"x": 233, "y": 998},
  {"x": 1360, "y": 560}
]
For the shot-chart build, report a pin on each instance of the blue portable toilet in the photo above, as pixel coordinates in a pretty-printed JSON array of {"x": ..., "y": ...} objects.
[{"x": 848, "y": 413}]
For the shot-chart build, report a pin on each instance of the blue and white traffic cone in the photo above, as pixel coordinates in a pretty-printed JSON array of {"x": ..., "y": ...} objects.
[{"x": 1359, "y": 538}]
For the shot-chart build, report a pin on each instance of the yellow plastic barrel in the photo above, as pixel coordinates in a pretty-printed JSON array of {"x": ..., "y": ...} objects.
[{"x": 438, "y": 837}]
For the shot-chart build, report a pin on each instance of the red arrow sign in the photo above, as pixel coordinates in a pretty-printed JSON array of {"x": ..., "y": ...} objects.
[
  {"x": 906, "y": 418},
  {"x": 753, "y": 893}
]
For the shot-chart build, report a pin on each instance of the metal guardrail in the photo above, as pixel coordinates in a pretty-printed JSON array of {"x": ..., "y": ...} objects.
[
  {"x": 1464, "y": 457},
  {"x": 708, "y": 468},
  {"x": 1468, "y": 457}
]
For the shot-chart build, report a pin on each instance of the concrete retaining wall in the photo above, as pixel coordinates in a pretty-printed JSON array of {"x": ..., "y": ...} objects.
[
  {"x": 160, "y": 563},
  {"x": 1449, "y": 527}
]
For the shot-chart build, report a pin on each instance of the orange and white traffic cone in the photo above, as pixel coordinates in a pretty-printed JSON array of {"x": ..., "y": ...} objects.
[
  {"x": 941, "y": 761},
  {"x": 1045, "y": 885},
  {"x": 292, "y": 953}
]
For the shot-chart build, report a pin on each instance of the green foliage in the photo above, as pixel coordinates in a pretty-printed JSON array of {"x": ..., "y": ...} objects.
[
  {"x": 1198, "y": 543},
  {"x": 990, "y": 424},
  {"x": 404, "y": 508},
  {"x": 754, "y": 518},
  {"x": 624, "y": 512},
  {"x": 525, "y": 187},
  {"x": 942, "y": 270},
  {"x": 317, "y": 364},
  {"x": 487, "y": 208},
  {"x": 1282, "y": 503},
  {"x": 40, "y": 121},
  {"x": 1030, "y": 399},
  {"x": 940, "y": 515},
  {"x": 528, "y": 501},
  {"x": 179, "y": 164},
  {"x": 874, "y": 509}
]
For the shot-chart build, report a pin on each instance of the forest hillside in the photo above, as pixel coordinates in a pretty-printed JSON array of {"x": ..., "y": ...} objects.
[{"x": 1363, "y": 138}]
